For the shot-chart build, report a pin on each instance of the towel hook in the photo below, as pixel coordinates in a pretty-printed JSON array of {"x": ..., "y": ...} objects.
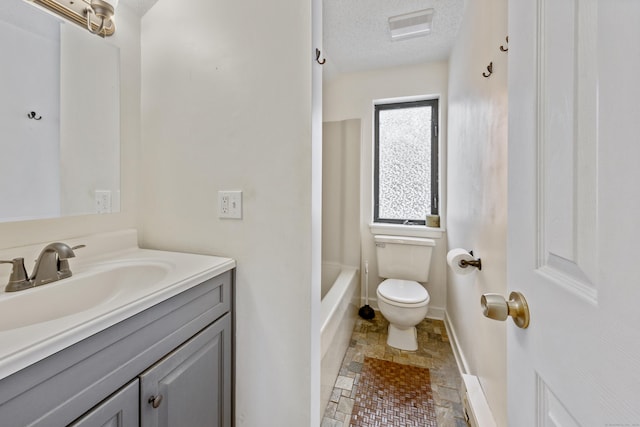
[
  {"x": 32, "y": 115},
  {"x": 318, "y": 53},
  {"x": 489, "y": 69},
  {"x": 505, "y": 48}
]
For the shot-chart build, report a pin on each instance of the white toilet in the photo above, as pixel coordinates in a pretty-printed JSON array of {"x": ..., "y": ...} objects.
[{"x": 403, "y": 261}]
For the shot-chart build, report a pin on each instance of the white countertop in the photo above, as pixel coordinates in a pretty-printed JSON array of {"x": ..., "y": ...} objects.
[{"x": 26, "y": 344}]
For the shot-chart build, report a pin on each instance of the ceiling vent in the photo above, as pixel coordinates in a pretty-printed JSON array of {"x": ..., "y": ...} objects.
[{"x": 410, "y": 25}]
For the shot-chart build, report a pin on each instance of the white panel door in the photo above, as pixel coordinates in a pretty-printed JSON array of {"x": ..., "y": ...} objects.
[{"x": 574, "y": 212}]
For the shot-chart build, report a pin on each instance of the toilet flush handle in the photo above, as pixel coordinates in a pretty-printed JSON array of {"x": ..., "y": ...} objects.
[{"x": 495, "y": 307}]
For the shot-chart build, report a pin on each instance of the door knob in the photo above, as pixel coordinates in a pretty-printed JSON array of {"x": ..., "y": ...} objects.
[{"x": 495, "y": 307}]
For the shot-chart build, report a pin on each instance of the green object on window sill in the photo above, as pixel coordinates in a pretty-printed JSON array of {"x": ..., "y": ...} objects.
[{"x": 433, "y": 221}]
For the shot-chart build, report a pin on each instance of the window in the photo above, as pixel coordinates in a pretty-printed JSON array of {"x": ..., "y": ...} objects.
[{"x": 406, "y": 162}]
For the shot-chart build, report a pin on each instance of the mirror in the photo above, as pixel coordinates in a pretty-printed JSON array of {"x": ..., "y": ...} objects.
[{"x": 59, "y": 117}]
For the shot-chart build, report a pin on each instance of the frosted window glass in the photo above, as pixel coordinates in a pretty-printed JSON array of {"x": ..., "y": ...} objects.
[{"x": 404, "y": 163}]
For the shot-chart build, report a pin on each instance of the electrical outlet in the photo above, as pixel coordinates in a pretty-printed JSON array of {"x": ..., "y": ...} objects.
[
  {"x": 230, "y": 204},
  {"x": 102, "y": 201},
  {"x": 224, "y": 205}
]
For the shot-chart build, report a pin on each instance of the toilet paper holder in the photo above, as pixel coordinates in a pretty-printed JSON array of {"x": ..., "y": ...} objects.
[{"x": 477, "y": 263}]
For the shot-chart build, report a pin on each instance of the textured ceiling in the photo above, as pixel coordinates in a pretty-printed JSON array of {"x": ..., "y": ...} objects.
[{"x": 356, "y": 33}]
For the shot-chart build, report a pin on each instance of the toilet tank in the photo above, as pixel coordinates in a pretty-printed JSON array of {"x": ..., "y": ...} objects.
[{"x": 407, "y": 258}]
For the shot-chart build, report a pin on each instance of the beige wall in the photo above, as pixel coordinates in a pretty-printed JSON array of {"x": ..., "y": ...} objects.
[
  {"x": 127, "y": 38},
  {"x": 352, "y": 95},
  {"x": 477, "y": 196},
  {"x": 227, "y": 97}
]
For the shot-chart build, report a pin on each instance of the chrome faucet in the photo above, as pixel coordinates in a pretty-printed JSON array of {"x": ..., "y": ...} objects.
[{"x": 51, "y": 266}]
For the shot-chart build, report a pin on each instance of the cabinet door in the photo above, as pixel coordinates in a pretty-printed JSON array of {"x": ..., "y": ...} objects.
[
  {"x": 119, "y": 410},
  {"x": 192, "y": 385}
]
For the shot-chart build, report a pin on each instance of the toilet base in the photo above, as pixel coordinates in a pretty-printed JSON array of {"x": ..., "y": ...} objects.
[{"x": 403, "y": 339}]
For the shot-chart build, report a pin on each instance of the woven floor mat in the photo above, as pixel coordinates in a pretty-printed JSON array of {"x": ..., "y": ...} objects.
[{"x": 394, "y": 395}]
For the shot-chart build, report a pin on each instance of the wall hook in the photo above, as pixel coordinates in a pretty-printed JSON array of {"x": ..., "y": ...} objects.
[
  {"x": 318, "y": 53},
  {"x": 506, "y": 47},
  {"x": 32, "y": 115},
  {"x": 489, "y": 69}
]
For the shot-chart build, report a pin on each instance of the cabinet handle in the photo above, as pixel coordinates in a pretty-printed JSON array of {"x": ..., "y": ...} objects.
[{"x": 155, "y": 401}]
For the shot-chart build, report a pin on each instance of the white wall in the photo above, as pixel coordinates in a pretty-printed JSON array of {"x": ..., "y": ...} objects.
[
  {"x": 127, "y": 38},
  {"x": 477, "y": 196},
  {"x": 349, "y": 96},
  {"x": 226, "y": 101}
]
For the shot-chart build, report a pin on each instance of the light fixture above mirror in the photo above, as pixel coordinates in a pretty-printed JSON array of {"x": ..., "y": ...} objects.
[
  {"x": 96, "y": 15},
  {"x": 103, "y": 10}
]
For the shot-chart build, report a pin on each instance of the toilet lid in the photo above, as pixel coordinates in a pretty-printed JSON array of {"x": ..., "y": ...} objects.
[{"x": 404, "y": 291}]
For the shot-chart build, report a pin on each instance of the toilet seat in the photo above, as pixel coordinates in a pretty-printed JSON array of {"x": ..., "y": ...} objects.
[{"x": 403, "y": 293}]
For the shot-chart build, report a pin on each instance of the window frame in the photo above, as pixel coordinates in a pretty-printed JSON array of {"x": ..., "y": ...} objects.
[{"x": 435, "y": 175}]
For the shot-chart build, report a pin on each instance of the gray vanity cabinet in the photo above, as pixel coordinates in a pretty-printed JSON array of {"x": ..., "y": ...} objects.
[
  {"x": 181, "y": 349},
  {"x": 190, "y": 387}
]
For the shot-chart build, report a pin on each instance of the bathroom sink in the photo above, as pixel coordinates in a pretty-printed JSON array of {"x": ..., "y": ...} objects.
[
  {"x": 101, "y": 284},
  {"x": 113, "y": 279}
]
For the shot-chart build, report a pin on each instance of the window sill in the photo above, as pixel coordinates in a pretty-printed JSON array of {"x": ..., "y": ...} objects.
[{"x": 406, "y": 230}]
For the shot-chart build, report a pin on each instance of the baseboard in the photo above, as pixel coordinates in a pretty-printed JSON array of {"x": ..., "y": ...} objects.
[
  {"x": 474, "y": 400},
  {"x": 463, "y": 366},
  {"x": 475, "y": 403},
  {"x": 436, "y": 313}
]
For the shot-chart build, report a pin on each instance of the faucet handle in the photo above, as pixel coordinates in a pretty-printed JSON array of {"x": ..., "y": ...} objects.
[
  {"x": 18, "y": 280},
  {"x": 64, "y": 270}
]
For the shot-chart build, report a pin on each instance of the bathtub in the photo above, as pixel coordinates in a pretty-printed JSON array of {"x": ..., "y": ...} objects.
[{"x": 338, "y": 311}]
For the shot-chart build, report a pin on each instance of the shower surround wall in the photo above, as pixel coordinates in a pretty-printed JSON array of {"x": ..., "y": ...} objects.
[
  {"x": 341, "y": 193},
  {"x": 340, "y": 246}
]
